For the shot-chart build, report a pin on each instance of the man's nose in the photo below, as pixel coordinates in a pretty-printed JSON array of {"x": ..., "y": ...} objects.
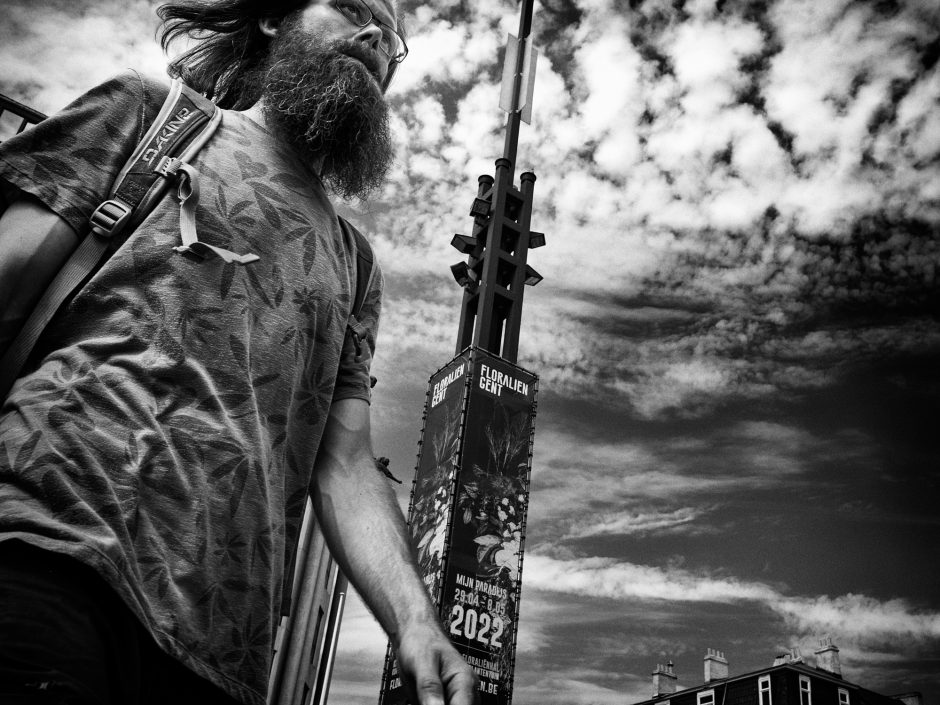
[{"x": 371, "y": 34}]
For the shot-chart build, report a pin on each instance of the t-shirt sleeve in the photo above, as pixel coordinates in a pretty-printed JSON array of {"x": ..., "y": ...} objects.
[
  {"x": 353, "y": 380},
  {"x": 69, "y": 160}
]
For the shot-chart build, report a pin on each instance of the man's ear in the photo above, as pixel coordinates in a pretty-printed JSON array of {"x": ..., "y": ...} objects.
[{"x": 269, "y": 26}]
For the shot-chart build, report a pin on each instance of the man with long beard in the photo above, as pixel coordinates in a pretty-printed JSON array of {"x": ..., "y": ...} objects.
[{"x": 156, "y": 453}]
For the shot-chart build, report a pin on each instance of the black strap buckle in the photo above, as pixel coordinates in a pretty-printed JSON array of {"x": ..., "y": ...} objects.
[{"x": 110, "y": 218}]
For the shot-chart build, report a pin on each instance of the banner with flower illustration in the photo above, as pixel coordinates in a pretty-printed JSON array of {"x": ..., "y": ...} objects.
[
  {"x": 482, "y": 579},
  {"x": 433, "y": 493},
  {"x": 468, "y": 512}
]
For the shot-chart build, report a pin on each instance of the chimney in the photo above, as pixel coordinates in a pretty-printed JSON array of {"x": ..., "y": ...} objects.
[
  {"x": 827, "y": 657},
  {"x": 792, "y": 656},
  {"x": 664, "y": 680},
  {"x": 716, "y": 666}
]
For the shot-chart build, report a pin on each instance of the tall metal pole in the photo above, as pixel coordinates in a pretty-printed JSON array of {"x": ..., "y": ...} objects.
[
  {"x": 515, "y": 116},
  {"x": 490, "y": 321},
  {"x": 470, "y": 498},
  {"x": 496, "y": 273}
]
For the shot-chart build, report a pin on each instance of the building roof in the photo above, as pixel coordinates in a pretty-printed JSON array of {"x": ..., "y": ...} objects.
[{"x": 799, "y": 667}]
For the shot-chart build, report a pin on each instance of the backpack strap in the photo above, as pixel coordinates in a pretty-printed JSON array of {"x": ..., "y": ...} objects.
[
  {"x": 183, "y": 125},
  {"x": 365, "y": 262},
  {"x": 186, "y": 122}
]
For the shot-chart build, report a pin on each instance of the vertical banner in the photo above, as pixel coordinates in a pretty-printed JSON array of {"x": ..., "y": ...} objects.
[
  {"x": 437, "y": 469},
  {"x": 472, "y": 483},
  {"x": 433, "y": 491},
  {"x": 482, "y": 582}
]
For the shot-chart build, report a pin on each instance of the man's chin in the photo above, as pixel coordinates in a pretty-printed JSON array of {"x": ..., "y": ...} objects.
[
  {"x": 351, "y": 58},
  {"x": 356, "y": 64}
]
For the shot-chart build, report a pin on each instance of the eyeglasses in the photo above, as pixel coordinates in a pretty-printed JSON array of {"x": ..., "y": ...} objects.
[{"x": 360, "y": 14}]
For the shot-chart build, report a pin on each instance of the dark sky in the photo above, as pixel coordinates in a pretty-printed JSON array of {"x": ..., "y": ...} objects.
[{"x": 738, "y": 444}]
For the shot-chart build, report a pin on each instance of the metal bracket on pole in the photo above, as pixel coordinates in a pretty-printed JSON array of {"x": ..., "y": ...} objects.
[{"x": 526, "y": 82}]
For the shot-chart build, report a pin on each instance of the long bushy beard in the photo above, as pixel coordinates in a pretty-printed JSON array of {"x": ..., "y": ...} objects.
[{"x": 330, "y": 108}]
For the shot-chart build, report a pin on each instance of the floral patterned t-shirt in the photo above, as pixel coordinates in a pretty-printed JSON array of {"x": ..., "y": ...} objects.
[{"x": 166, "y": 428}]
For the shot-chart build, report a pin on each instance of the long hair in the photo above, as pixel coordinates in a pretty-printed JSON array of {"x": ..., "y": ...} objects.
[{"x": 228, "y": 60}]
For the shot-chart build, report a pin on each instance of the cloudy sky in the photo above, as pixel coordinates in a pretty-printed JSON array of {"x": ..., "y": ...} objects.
[{"x": 738, "y": 443}]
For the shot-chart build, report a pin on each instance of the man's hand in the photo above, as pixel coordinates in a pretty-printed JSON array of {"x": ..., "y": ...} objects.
[{"x": 432, "y": 671}]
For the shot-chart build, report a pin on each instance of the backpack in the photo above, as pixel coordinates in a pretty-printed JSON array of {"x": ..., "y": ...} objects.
[{"x": 182, "y": 127}]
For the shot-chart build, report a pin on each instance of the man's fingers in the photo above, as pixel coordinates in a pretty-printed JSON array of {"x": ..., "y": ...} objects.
[
  {"x": 434, "y": 673},
  {"x": 426, "y": 683},
  {"x": 422, "y": 680},
  {"x": 462, "y": 686},
  {"x": 430, "y": 690}
]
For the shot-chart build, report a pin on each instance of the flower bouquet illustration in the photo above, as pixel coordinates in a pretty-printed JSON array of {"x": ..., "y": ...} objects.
[{"x": 433, "y": 495}]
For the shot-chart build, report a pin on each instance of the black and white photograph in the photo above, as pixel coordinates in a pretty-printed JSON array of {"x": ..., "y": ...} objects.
[{"x": 511, "y": 352}]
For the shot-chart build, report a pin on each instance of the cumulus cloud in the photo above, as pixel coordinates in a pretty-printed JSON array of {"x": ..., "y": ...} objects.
[
  {"x": 867, "y": 65},
  {"x": 862, "y": 618},
  {"x": 419, "y": 324},
  {"x": 602, "y": 577},
  {"x": 660, "y": 371},
  {"x": 756, "y": 139},
  {"x": 448, "y": 52},
  {"x": 49, "y": 57},
  {"x": 853, "y": 617},
  {"x": 637, "y": 523},
  {"x": 710, "y": 155},
  {"x": 653, "y": 486}
]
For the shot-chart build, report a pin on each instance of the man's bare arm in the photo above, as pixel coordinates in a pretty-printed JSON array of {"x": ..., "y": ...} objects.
[
  {"x": 34, "y": 244},
  {"x": 366, "y": 532}
]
